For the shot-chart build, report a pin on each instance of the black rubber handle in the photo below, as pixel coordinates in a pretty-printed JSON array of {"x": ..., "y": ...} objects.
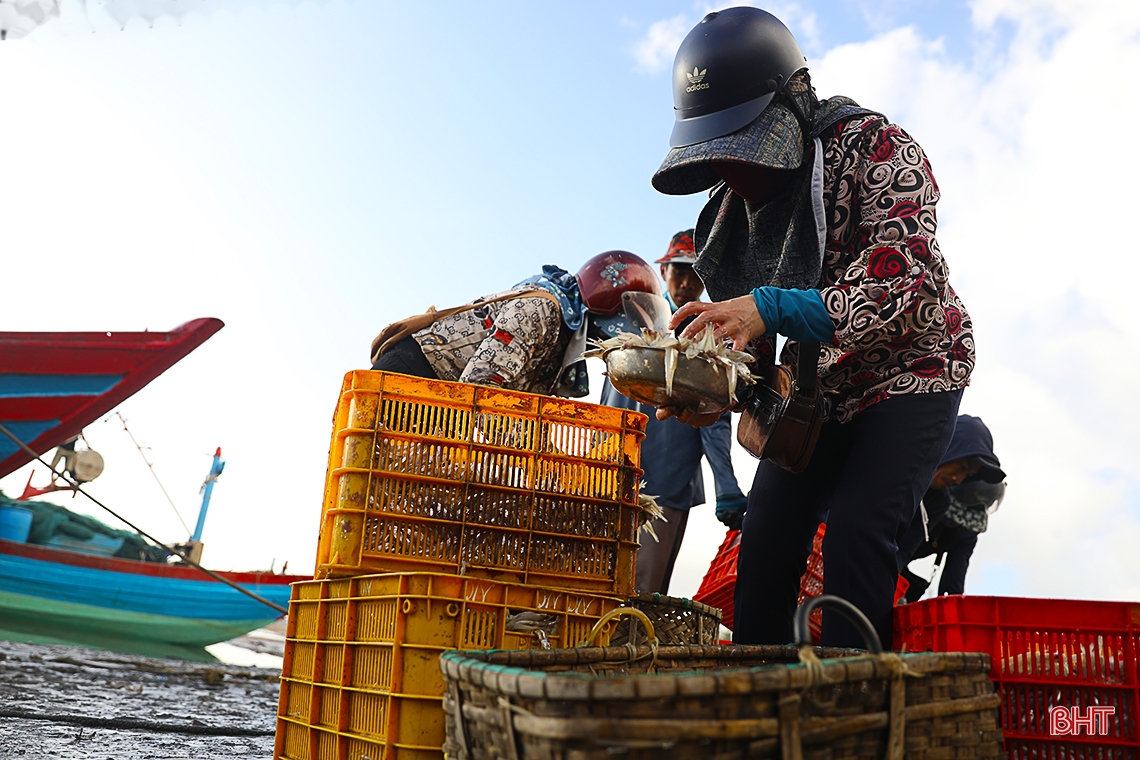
[{"x": 844, "y": 608}]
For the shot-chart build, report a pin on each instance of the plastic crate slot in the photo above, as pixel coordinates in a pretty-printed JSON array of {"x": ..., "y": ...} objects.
[
  {"x": 494, "y": 548},
  {"x": 358, "y": 749},
  {"x": 584, "y": 443},
  {"x": 577, "y": 629},
  {"x": 564, "y": 556},
  {"x": 489, "y": 506},
  {"x": 296, "y": 742},
  {"x": 500, "y": 469},
  {"x": 417, "y": 498},
  {"x": 432, "y": 420},
  {"x": 1021, "y": 750},
  {"x": 504, "y": 430},
  {"x": 430, "y": 541},
  {"x": 414, "y": 456},
  {"x": 480, "y": 628},
  {"x": 582, "y": 518},
  {"x": 376, "y": 620},
  {"x": 336, "y": 614},
  {"x": 573, "y": 479},
  {"x": 329, "y": 707},
  {"x": 304, "y": 657},
  {"x": 372, "y": 667},
  {"x": 326, "y": 746},
  {"x": 367, "y": 713},
  {"x": 306, "y": 617},
  {"x": 332, "y": 663},
  {"x": 1027, "y": 711},
  {"x": 298, "y": 698}
]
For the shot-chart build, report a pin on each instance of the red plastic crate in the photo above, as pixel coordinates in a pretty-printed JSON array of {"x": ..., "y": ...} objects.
[
  {"x": 811, "y": 582},
  {"x": 719, "y": 584},
  {"x": 1045, "y": 653}
]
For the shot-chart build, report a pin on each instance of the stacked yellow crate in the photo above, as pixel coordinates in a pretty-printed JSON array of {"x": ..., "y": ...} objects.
[{"x": 455, "y": 516}]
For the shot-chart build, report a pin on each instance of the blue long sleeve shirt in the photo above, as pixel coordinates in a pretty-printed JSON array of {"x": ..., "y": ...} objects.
[{"x": 796, "y": 314}]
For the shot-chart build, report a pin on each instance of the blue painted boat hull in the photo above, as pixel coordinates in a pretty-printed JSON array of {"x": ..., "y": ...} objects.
[{"x": 68, "y": 595}]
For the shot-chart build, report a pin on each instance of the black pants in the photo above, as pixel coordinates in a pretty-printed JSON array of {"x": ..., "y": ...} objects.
[
  {"x": 407, "y": 358},
  {"x": 865, "y": 480}
]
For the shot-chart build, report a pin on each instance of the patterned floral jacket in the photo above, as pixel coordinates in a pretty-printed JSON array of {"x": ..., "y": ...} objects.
[
  {"x": 899, "y": 326},
  {"x": 517, "y": 344}
]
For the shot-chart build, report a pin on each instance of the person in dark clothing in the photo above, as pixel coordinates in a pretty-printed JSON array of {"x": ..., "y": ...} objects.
[
  {"x": 967, "y": 486},
  {"x": 820, "y": 227}
]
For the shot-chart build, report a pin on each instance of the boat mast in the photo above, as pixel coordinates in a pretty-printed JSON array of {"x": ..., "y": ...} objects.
[{"x": 207, "y": 491}]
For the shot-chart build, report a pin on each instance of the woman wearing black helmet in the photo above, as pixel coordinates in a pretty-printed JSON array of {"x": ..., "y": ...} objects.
[
  {"x": 820, "y": 227},
  {"x": 529, "y": 338}
]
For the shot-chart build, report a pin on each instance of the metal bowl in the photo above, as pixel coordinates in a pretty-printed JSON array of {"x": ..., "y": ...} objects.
[{"x": 639, "y": 373}]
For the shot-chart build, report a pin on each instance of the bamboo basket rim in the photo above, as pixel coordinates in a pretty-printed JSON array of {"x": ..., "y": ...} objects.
[
  {"x": 676, "y": 601},
  {"x": 836, "y": 666}
]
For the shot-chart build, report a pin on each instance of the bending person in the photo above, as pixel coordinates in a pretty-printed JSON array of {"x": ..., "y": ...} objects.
[
  {"x": 967, "y": 487},
  {"x": 529, "y": 338}
]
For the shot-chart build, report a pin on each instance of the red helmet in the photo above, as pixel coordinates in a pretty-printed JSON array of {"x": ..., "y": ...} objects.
[{"x": 603, "y": 279}]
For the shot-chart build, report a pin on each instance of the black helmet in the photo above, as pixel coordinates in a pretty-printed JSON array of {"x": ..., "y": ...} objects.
[{"x": 727, "y": 71}]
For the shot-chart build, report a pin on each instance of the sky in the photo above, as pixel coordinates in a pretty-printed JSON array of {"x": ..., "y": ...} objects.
[{"x": 309, "y": 172}]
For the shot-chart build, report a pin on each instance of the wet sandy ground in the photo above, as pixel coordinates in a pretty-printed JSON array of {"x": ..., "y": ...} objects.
[{"x": 68, "y": 702}]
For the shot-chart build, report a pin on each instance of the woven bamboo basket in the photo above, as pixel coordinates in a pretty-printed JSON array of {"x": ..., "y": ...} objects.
[
  {"x": 698, "y": 703},
  {"x": 675, "y": 621}
]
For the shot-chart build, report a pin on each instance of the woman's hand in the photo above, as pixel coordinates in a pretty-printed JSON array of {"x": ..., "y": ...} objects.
[{"x": 736, "y": 318}]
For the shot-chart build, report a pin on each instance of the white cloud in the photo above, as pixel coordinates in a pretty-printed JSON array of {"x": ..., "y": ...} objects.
[
  {"x": 18, "y": 18},
  {"x": 655, "y": 51}
]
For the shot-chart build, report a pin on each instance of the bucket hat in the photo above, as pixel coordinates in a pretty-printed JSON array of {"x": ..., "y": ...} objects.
[{"x": 774, "y": 140}]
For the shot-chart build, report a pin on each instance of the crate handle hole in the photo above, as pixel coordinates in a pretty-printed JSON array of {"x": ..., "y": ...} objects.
[
  {"x": 408, "y": 606},
  {"x": 452, "y": 610}
]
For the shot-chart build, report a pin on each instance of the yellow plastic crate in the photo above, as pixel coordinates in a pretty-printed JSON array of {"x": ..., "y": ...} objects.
[
  {"x": 432, "y": 476},
  {"x": 361, "y": 677}
]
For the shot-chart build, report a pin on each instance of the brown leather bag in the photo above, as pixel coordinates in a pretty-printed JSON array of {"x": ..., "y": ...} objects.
[{"x": 782, "y": 420}]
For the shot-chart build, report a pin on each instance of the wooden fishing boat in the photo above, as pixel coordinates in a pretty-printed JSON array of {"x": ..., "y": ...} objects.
[
  {"x": 49, "y": 591},
  {"x": 51, "y": 386}
]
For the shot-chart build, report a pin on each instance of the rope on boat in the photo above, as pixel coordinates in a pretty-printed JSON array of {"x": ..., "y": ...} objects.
[
  {"x": 87, "y": 721},
  {"x": 75, "y": 484},
  {"x": 152, "y": 471}
]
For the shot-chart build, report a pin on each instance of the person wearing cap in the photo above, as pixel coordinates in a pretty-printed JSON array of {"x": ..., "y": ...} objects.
[
  {"x": 968, "y": 486},
  {"x": 529, "y": 338},
  {"x": 820, "y": 227},
  {"x": 671, "y": 452}
]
